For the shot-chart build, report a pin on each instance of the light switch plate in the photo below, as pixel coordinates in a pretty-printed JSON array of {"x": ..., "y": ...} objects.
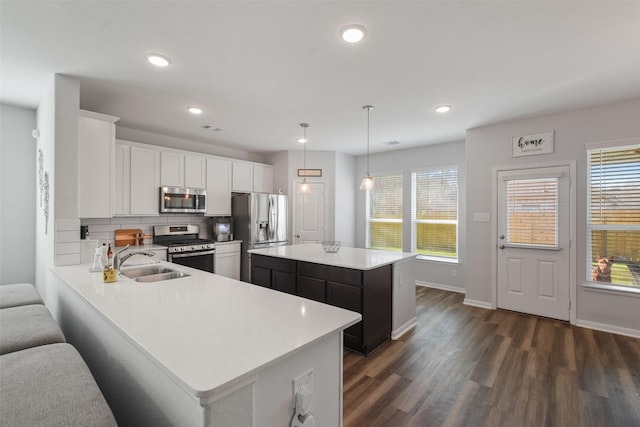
[{"x": 481, "y": 217}]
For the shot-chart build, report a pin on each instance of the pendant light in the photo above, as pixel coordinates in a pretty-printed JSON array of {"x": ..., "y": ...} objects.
[
  {"x": 367, "y": 181},
  {"x": 304, "y": 187}
]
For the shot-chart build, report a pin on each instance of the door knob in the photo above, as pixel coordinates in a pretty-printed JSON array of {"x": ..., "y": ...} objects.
[
  {"x": 501, "y": 246},
  {"x": 297, "y": 236},
  {"x": 502, "y": 236}
]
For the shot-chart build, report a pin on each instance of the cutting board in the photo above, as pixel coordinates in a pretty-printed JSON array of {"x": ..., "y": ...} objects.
[{"x": 127, "y": 236}]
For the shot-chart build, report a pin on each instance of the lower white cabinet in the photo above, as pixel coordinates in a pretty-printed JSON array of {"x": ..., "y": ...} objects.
[{"x": 227, "y": 259}]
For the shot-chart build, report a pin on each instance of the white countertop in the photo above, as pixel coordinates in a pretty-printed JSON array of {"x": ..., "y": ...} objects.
[
  {"x": 357, "y": 258},
  {"x": 206, "y": 331}
]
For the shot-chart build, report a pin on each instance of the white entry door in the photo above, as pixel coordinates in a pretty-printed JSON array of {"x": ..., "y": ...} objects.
[
  {"x": 533, "y": 241},
  {"x": 309, "y": 220}
]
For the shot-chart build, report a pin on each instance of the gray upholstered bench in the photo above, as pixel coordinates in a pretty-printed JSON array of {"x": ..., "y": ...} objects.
[
  {"x": 19, "y": 294},
  {"x": 43, "y": 380},
  {"x": 50, "y": 386},
  {"x": 27, "y": 326}
]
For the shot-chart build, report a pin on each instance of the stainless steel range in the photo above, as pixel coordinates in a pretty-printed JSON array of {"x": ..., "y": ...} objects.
[{"x": 185, "y": 247}]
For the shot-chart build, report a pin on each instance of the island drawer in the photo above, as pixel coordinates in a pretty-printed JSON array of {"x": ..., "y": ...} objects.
[
  {"x": 273, "y": 263},
  {"x": 346, "y": 276}
]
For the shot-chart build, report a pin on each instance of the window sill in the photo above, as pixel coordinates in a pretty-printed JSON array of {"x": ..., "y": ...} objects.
[
  {"x": 437, "y": 260},
  {"x": 612, "y": 289}
]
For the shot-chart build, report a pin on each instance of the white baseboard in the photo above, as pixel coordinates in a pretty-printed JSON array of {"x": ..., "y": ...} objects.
[
  {"x": 395, "y": 334},
  {"x": 476, "y": 303},
  {"x": 439, "y": 286},
  {"x": 608, "y": 328}
]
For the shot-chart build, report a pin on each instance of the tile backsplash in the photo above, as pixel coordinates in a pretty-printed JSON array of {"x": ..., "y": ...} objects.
[{"x": 103, "y": 229}]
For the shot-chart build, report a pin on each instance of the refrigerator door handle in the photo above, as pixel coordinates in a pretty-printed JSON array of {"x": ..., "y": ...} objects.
[{"x": 269, "y": 218}]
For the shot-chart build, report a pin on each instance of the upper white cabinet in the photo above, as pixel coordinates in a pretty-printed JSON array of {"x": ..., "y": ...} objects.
[
  {"x": 171, "y": 169},
  {"x": 136, "y": 180},
  {"x": 122, "y": 180},
  {"x": 178, "y": 169},
  {"x": 96, "y": 136},
  {"x": 195, "y": 171},
  {"x": 242, "y": 177},
  {"x": 262, "y": 178},
  {"x": 252, "y": 177},
  {"x": 145, "y": 181},
  {"x": 218, "y": 187}
]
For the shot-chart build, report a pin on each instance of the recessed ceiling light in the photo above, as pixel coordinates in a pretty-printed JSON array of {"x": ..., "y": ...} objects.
[
  {"x": 443, "y": 108},
  {"x": 353, "y": 33},
  {"x": 158, "y": 60},
  {"x": 194, "y": 110}
]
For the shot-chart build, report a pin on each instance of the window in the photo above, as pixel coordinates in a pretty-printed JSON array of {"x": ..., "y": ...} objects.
[
  {"x": 613, "y": 215},
  {"x": 434, "y": 213},
  {"x": 384, "y": 213},
  {"x": 532, "y": 212}
]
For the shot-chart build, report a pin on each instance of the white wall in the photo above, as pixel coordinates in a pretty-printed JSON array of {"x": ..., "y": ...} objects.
[
  {"x": 429, "y": 272},
  {"x": 490, "y": 147},
  {"x": 17, "y": 185},
  {"x": 345, "y": 199}
]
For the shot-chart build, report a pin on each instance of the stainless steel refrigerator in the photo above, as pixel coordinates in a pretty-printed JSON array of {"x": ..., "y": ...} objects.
[{"x": 260, "y": 221}]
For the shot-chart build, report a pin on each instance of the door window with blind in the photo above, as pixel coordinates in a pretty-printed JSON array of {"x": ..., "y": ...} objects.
[
  {"x": 434, "y": 213},
  {"x": 384, "y": 213},
  {"x": 613, "y": 215},
  {"x": 531, "y": 217}
]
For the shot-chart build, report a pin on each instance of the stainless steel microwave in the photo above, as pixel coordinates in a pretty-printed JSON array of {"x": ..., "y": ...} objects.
[{"x": 183, "y": 200}]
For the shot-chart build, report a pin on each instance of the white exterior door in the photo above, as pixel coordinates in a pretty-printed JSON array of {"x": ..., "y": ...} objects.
[
  {"x": 309, "y": 220},
  {"x": 534, "y": 241}
]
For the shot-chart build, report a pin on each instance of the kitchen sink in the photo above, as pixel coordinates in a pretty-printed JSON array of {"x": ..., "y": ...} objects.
[{"x": 152, "y": 273}]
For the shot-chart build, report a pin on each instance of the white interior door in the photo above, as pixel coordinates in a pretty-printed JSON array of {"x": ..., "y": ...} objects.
[
  {"x": 309, "y": 220},
  {"x": 533, "y": 241}
]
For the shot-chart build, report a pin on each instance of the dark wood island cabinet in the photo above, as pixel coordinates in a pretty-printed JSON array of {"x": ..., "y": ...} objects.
[{"x": 368, "y": 292}]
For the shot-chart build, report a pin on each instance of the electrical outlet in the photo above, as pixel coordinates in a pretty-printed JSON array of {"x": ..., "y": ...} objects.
[
  {"x": 303, "y": 383},
  {"x": 454, "y": 273}
]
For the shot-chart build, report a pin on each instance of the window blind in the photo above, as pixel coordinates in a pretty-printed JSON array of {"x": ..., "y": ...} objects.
[
  {"x": 613, "y": 211},
  {"x": 434, "y": 204},
  {"x": 384, "y": 213},
  {"x": 532, "y": 212}
]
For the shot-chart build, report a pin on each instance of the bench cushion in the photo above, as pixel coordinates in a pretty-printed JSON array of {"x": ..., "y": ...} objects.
[
  {"x": 50, "y": 386},
  {"x": 27, "y": 326},
  {"x": 19, "y": 294}
]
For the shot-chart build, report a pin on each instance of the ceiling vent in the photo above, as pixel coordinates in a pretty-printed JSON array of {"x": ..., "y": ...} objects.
[{"x": 211, "y": 128}]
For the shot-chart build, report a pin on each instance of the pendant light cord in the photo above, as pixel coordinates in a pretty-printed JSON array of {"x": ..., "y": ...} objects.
[{"x": 368, "y": 130}]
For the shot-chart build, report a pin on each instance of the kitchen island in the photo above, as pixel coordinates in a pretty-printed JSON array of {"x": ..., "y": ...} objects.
[
  {"x": 378, "y": 284},
  {"x": 201, "y": 350}
]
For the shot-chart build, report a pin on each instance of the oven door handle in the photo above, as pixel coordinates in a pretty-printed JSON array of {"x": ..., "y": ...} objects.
[{"x": 190, "y": 254}]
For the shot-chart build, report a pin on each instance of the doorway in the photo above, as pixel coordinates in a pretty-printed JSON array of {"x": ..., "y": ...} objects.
[
  {"x": 534, "y": 259},
  {"x": 309, "y": 214}
]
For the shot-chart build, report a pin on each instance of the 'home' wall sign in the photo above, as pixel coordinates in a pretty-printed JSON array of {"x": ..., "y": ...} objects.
[{"x": 531, "y": 145}]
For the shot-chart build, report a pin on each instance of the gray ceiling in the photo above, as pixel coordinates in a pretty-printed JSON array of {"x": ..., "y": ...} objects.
[{"x": 258, "y": 69}]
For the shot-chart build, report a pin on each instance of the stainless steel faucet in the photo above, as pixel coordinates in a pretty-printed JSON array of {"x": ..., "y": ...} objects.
[{"x": 119, "y": 260}]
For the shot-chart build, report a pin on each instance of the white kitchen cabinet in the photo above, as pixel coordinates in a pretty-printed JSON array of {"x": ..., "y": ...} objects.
[
  {"x": 262, "y": 178},
  {"x": 252, "y": 177},
  {"x": 96, "y": 137},
  {"x": 122, "y": 180},
  {"x": 227, "y": 259},
  {"x": 242, "y": 177},
  {"x": 195, "y": 171},
  {"x": 171, "y": 169},
  {"x": 218, "y": 187},
  {"x": 145, "y": 181}
]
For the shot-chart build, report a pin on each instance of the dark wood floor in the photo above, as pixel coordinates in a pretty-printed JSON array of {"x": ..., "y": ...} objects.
[{"x": 466, "y": 366}]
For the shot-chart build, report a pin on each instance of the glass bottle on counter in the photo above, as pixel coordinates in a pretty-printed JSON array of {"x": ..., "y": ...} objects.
[{"x": 109, "y": 257}]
